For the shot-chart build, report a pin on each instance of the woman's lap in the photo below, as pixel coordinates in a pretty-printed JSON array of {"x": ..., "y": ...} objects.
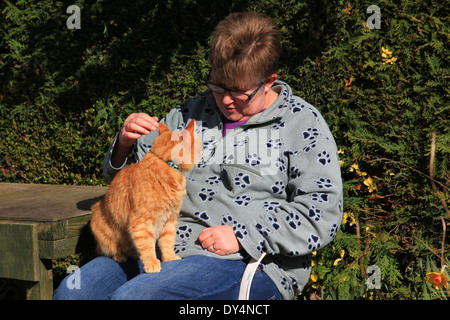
[{"x": 192, "y": 278}]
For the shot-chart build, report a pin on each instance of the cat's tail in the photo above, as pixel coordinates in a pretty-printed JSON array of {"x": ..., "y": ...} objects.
[{"x": 95, "y": 226}]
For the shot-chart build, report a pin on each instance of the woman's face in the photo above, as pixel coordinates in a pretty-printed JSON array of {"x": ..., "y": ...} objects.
[{"x": 239, "y": 110}]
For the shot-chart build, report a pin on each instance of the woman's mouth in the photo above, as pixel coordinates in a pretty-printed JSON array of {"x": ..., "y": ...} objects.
[{"x": 229, "y": 109}]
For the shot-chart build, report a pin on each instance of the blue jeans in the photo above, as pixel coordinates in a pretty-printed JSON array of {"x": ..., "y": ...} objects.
[{"x": 192, "y": 278}]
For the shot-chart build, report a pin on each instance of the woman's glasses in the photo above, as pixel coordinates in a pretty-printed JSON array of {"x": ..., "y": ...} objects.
[{"x": 238, "y": 95}]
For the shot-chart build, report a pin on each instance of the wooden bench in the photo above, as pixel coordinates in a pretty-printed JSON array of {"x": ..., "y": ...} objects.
[{"x": 39, "y": 223}]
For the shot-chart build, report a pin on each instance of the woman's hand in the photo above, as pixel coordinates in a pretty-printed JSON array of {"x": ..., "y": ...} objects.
[
  {"x": 220, "y": 240},
  {"x": 136, "y": 125}
]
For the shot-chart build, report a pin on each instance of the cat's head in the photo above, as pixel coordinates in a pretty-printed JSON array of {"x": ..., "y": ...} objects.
[{"x": 183, "y": 147}]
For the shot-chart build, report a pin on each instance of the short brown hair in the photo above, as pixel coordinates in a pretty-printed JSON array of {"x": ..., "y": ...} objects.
[{"x": 245, "y": 49}]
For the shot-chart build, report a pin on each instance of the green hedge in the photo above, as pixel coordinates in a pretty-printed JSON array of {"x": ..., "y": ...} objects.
[{"x": 65, "y": 93}]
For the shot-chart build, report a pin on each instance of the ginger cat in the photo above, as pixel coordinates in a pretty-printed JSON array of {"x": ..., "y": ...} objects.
[{"x": 143, "y": 201}]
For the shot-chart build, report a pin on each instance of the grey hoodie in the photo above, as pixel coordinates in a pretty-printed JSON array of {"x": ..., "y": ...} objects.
[{"x": 275, "y": 179}]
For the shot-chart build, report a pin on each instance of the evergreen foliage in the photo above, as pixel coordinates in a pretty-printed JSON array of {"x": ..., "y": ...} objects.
[{"x": 384, "y": 92}]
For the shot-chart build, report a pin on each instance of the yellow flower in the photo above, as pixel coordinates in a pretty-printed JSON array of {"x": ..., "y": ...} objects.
[
  {"x": 339, "y": 259},
  {"x": 389, "y": 172},
  {"x": 348, "y": 215},
  {"x": 386, "y": 56},
  {"x": 354, "y": 167},
  {"x": 386, "y": 51},
  {"x": 438, "y": 280},
  {"x": 314, "y": 277},
  {"x": 369, "y": 183}
]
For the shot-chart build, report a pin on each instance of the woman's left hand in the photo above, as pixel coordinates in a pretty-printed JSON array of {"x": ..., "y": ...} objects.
[{"x": 220, "y": 240}]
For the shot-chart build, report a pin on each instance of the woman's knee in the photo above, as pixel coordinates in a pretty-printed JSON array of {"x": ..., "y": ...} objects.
[{"x": 98, "y": 279}]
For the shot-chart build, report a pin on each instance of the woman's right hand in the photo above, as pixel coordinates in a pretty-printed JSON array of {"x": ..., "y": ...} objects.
[{"x": 135, "y": 126}]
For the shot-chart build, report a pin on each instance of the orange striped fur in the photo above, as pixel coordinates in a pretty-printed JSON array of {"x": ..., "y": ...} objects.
[{"x": 143, "y": 202}]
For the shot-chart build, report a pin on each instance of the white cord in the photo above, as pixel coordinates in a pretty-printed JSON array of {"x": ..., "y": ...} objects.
[{"x": 247, "y": 277}]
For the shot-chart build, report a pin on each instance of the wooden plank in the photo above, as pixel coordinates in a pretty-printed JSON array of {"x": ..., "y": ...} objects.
[
  {"x": 58, "y": 248},
  {"x": 75, "y": 225},
  {"x": 46, "y": 203},
  {"x": 19, "y": 252},
  {"x": 63, "y": 229},
  {"x": 43, "y": 289}
]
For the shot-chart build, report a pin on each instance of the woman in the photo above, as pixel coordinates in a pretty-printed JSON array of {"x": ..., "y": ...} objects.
[{"x": 268, "y": 181}]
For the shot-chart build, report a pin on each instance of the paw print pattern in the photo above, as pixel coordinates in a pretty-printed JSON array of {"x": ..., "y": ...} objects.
[
  {"x": 240, "y": 143},
  {"x": 294, "y": 172},
  {"x": 240, "y": 230},
  {"x": 281, "y": 165},
  {"x": 184, "y": 232},
  {"x": 278, "y": 125},
  {"x": 228, "y": 220},
  {"x": 310, "y": 134},
  {"x": 278, "y": 187},
  {"x": 275, "y": 143},
  {"x": 293, "y": 253},
  {"x": 314, "y": 113},
  {"x": 201, "y": 215},
  {"x": 229, "y": 159},
  {"x": 242, "y": 180},
  {"x": 253, "y": 160},
  {"x": 324, "y": 183},
  {"x": 261, "y": 247},
  {"x": 179, "y": 247},
  {"x": 299, "y": 192},
  {"x": 243, "y": 200},
  {"x": 298, "y": 107},
  {"x": 285, "y": 284},
  {"x": 206, "y": 194},
  {"x": 313, "y": 243},
  {"x": 263, "y": 230},
  {"x": 324, "y": 158},
  {"x": 319, "y": 197},
  {"x": 148, "y": 147},
  {"x": 274, "y": 222},
  {"x": 293, "y": 219},
  {"x": 212, "y": 181},
  {"x": 334, "y": 230},
  {"x": 315, "y": 213},
  {"x": 310, "y": 146},
  {"x": 271, "y": 206},
  {"x": 209, "y": 145}
]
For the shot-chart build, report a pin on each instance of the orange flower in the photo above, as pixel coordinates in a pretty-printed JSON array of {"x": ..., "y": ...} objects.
[{"x": 438, "y": 280}]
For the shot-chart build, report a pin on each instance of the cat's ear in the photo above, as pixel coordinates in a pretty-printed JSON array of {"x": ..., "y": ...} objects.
[
  {"x": 162, "y": 128},
  {"x": 191, "y": 127}
]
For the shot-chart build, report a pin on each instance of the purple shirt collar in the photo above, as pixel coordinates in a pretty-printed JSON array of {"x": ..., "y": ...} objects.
[{"x": 230, "y": 125}]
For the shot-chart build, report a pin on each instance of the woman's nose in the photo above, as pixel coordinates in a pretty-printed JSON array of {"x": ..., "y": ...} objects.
[{"x": 227, "y": 98}]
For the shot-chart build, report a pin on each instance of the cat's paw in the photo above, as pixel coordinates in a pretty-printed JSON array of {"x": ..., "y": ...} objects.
[
  {"x": 171, "y": 258},
  {"x": 152, "y": 266},
  {"x": 119, "y": 258}
]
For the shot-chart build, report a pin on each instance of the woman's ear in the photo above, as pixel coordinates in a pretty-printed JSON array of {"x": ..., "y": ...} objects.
[{"x": 270, "y": 81}]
